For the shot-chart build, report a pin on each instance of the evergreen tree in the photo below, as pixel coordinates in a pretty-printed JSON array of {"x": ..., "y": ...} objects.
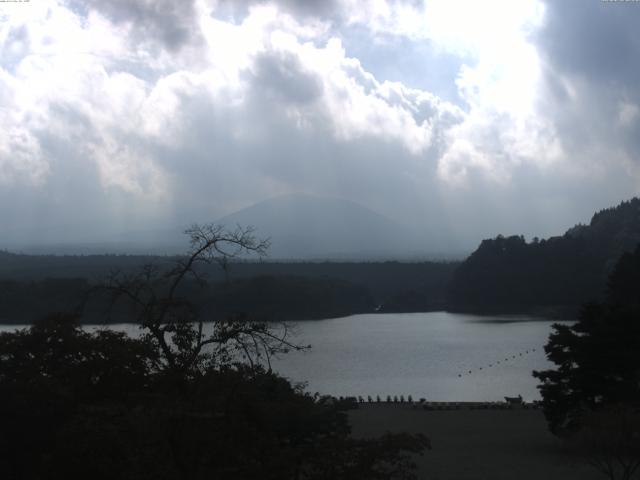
[{"x": 597, "y": 362}]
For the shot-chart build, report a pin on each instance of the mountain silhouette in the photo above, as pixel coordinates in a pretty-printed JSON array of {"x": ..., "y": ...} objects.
[{"x": 304, "y": 226}]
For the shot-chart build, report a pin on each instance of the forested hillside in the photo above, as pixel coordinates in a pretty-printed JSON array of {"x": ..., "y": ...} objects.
[
  {"x": 553, "y": 275},
  {"x": 31, "y": 286}
]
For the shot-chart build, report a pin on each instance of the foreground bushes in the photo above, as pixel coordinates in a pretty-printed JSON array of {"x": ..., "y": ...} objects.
[{"x": 100, "y": 405}]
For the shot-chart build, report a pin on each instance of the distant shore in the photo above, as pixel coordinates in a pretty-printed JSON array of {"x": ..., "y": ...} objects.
[
  {"x": 476, "y": 444},
  {"x": 489, "y": 317},
  {"x": 544, "y": 312}
]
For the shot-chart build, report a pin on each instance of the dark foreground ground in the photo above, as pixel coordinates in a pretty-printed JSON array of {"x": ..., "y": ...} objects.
[{"x": 477, "y": 444}]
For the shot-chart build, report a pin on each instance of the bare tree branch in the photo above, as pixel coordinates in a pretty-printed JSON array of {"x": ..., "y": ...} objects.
[{"x": 177, "y": 327}]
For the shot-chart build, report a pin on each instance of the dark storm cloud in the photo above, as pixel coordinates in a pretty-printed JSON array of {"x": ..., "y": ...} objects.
[
  {"x": 590, "y": 50},
  {"x": 172, "y": 23},
  {"x": 302, "y": 9},
  {"x": 595, "y": 39},
  {"x": 311, "y": 8},
  {"x": 282, "y": 74}
]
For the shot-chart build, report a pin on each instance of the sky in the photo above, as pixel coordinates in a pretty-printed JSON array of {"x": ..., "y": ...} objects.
[{"x": 467, "y": 118}]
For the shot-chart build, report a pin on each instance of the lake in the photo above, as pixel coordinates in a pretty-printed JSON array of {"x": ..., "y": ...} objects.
[
  {"x": 437, "y": 355},
  {"x": 440, "y": 356}
]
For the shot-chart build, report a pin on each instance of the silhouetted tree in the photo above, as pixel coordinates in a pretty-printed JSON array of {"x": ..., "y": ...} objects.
[
  {"x": 597, "y": 362},
  {"x": 171, "y": 321},
  {"x": 49, "y": 374}
]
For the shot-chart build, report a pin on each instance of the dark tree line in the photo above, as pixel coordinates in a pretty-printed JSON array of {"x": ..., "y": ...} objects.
[
  {"x": 269, "y": 298},
  {"x": 398, "y": 286},
  {"x": 561, "y": 273},
  {"x": 22, "y": 302},
  {"x": 272, "y": 291}
]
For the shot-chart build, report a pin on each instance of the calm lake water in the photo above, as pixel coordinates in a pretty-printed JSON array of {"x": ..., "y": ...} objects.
[
  {"x": 422, "y": 354},
  {"x": 425, "y": 355}
]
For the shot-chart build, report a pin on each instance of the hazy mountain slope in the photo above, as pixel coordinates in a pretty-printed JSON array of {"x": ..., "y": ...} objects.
[
  {"x": 300, "y": 227},
  {"x": 305, "y": 226}
]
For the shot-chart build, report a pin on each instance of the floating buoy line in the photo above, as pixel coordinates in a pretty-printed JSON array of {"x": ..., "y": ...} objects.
[{"x": 496, "y": 363}]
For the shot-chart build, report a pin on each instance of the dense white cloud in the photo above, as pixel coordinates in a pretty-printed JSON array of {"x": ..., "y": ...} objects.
[{"x": 165, "y": 112}]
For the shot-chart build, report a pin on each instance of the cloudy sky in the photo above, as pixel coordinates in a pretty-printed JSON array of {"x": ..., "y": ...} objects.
[{"x": 471, "y": 118}]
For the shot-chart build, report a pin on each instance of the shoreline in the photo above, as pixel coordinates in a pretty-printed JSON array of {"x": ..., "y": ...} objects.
[{"x": 481, "y": 317}]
